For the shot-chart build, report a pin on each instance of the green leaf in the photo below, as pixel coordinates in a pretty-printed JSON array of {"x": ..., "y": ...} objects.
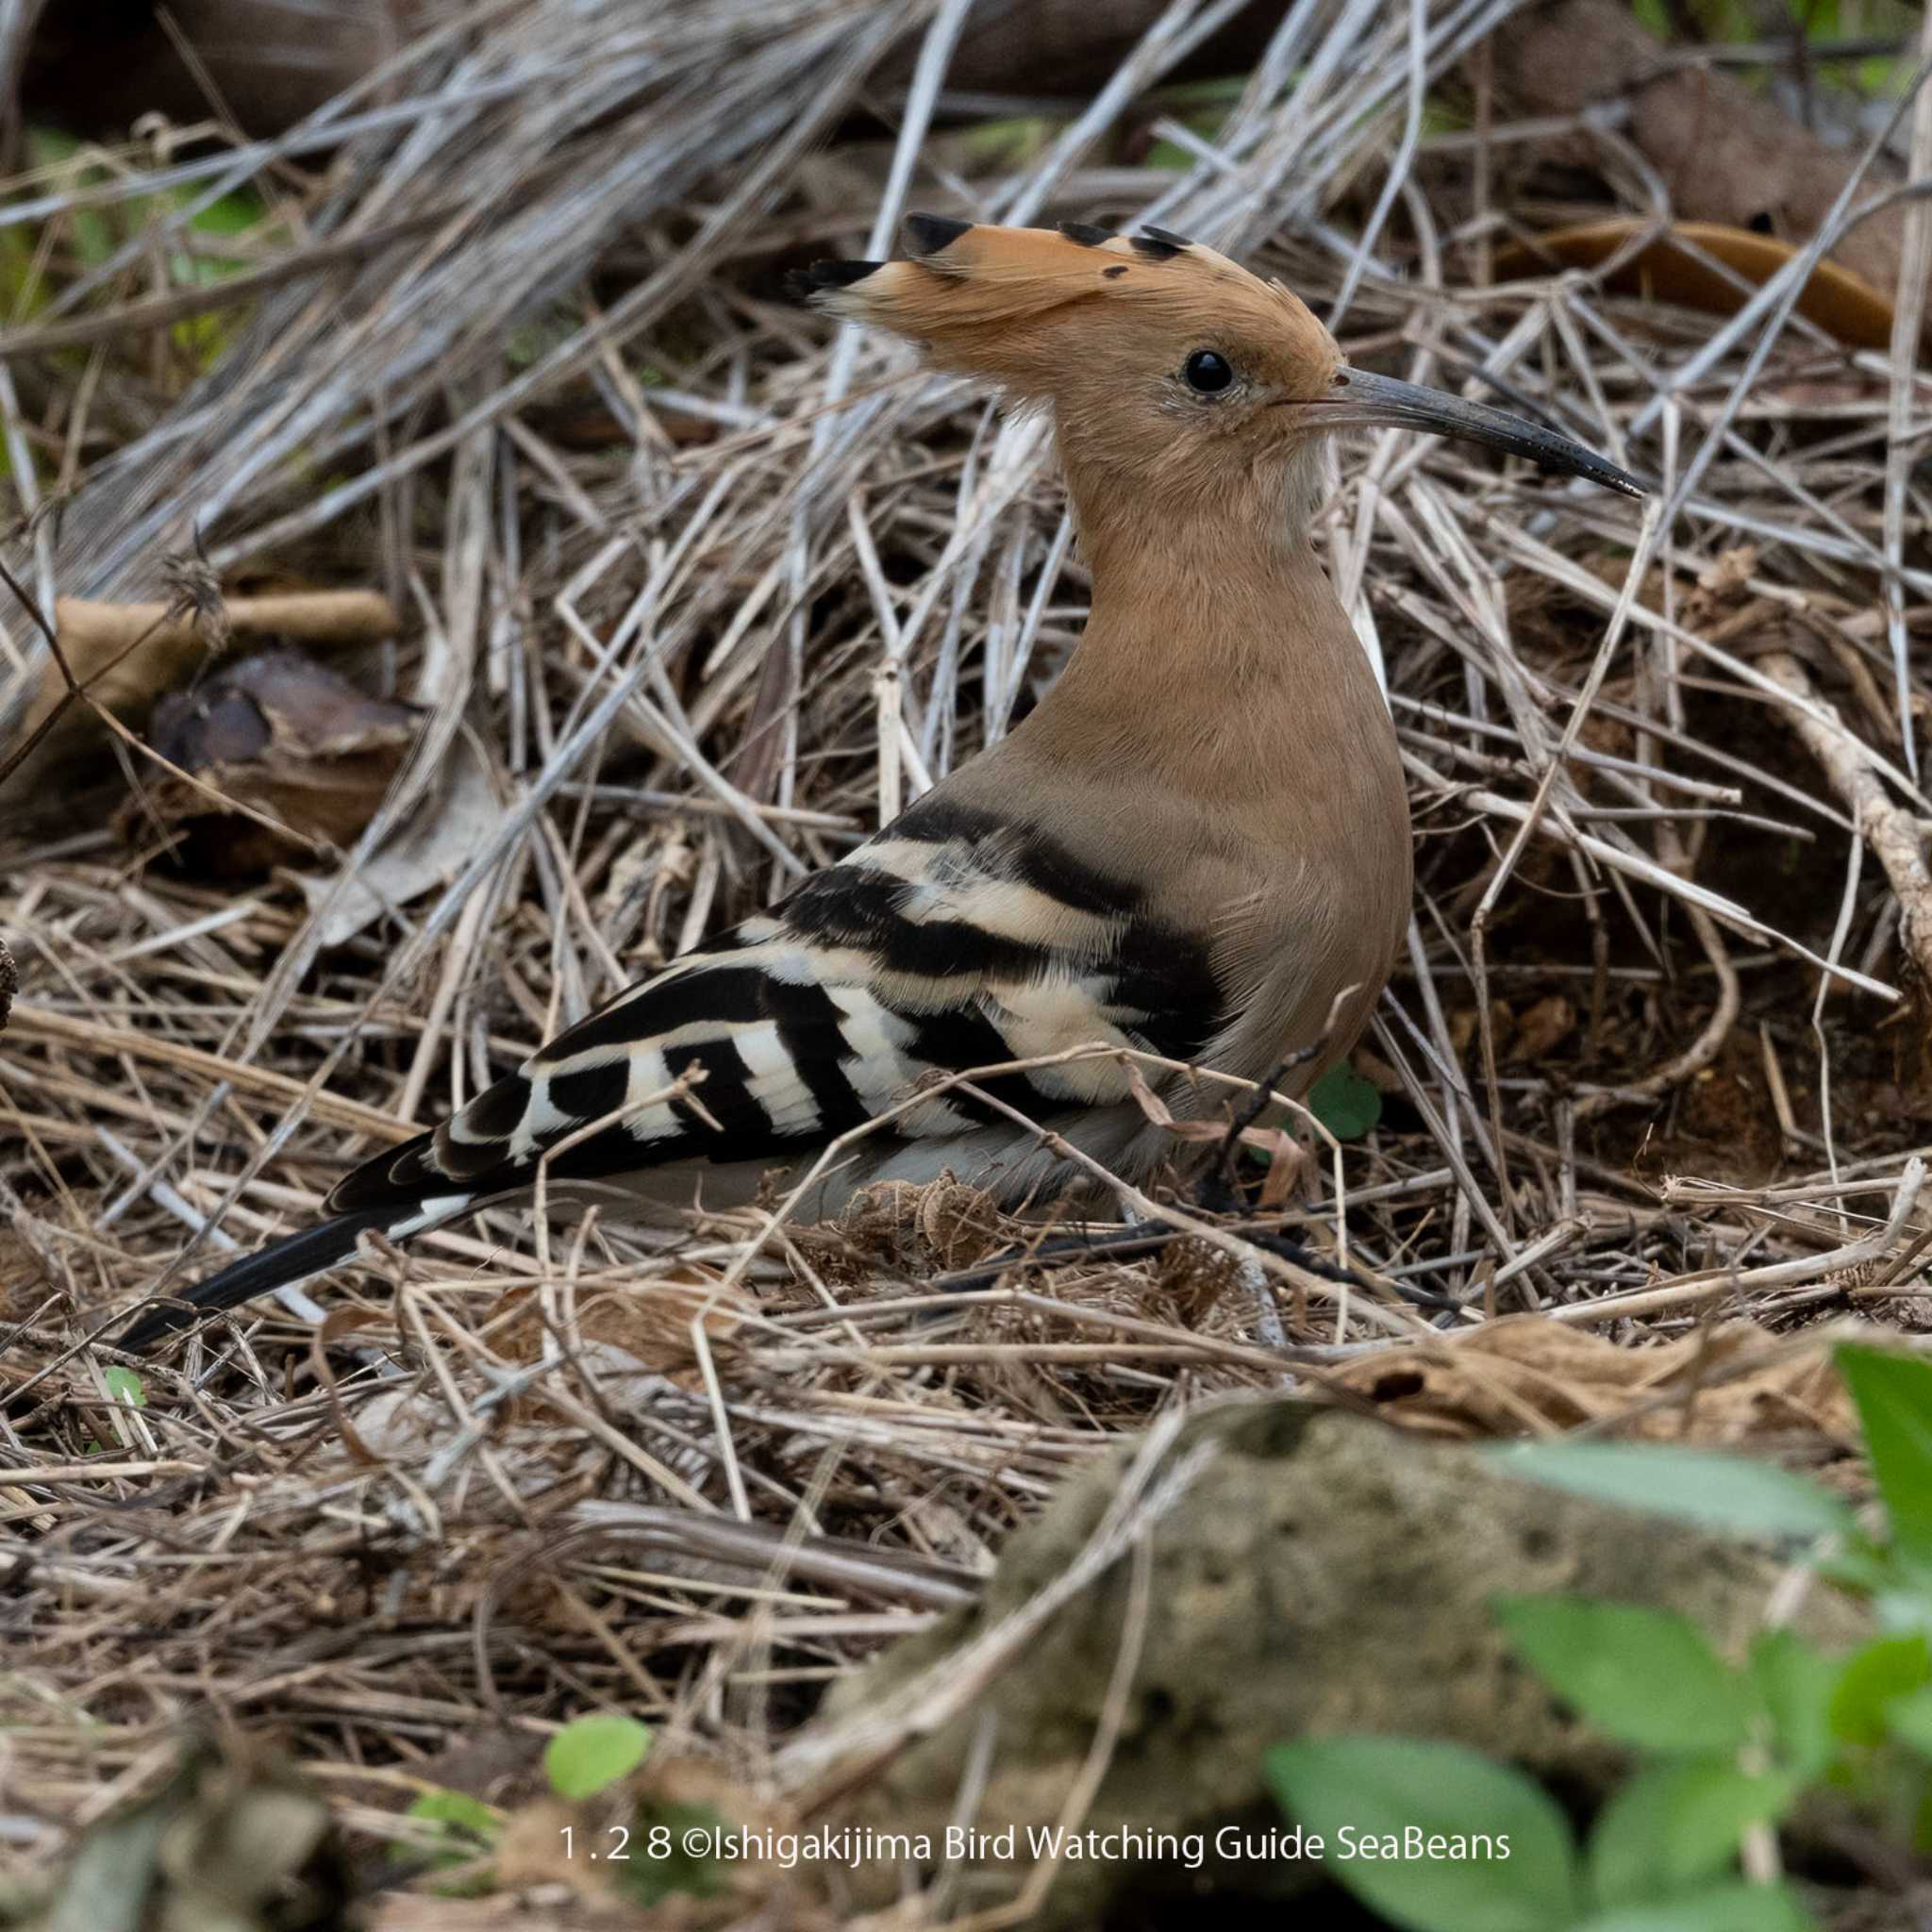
[
  {"x": 1676, "y": 1825},
  {"x": 1860, "y": 1566},
  {"x": 1008, "y": 144},
  {"x": 1502, "y": 1860},
  {"x": 650, "y": 1880},
  {"x": 1732, "y": 1494},
  {"x": 467, "y": 1824},
  {"x": 1727, "y": 1908},
  {"x": 1796, "y": 1683},
  {"x": 1344, "y": 1102},
  {"x": 124, "y": 1385},
  {"x": 1909, "y": 1719},
  {"x": 1894, "y": 1395},
  {"x": 1902, "y": 1599},
  {"x": 462, "y": 1813},
  {"x": 592, "y": 1753},
  {"x": 1216, "y": 90},
  {"x": 1643, "y": 1676},
  {"x": 1880, "y": 75},
  {"x": 231, "y": 214},
  {"x": 1873, "y": 1678}
]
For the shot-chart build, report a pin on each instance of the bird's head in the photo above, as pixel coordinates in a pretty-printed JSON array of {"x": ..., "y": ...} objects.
[{"x": 1168, "y": 368}]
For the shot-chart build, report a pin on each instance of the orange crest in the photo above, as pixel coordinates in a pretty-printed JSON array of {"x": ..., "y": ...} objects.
[{"x": 1046, "y": 311}]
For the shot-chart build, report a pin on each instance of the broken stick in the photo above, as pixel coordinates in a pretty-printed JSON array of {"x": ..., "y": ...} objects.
[{"x": 1887, "y": 828}]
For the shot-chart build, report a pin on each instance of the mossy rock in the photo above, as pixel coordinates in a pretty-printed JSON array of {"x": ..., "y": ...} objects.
[{"x": 1320, "y": 1573}]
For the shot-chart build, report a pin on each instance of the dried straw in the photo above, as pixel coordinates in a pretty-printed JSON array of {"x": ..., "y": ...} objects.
[{"x": 707, "y": 596}]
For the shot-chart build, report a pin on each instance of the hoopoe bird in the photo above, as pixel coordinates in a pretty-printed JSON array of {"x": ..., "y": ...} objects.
[{"x": 1196, "y": 845}]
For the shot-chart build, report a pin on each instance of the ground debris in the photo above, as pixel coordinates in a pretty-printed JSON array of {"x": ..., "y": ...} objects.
[
  {"x": 278, "y": 732},
  {"x": 1730, "y": 1384},
  {"x": 228, "y": 1841}
]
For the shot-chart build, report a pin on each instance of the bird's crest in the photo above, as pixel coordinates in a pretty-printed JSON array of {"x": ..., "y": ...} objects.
[{"x": 1018, "y": 305}]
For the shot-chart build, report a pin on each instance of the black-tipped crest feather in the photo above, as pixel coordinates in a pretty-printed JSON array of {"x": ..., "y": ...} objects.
[
  {"x": 930, "y": 234},
  {"x": 840, "y": 273}
]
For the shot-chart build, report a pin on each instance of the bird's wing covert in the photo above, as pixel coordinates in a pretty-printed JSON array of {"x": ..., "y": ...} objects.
[{"x": 955, "y": 940}]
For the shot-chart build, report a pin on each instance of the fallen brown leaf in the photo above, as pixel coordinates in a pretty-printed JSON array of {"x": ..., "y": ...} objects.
[
  {"x": 282, "y": 734},
  {"x": 1526, "y": 1374}
]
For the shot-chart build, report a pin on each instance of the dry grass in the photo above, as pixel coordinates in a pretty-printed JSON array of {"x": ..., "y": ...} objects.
[{"x": 696, "y": 597}]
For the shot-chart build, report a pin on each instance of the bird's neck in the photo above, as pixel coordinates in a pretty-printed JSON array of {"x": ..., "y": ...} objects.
[{"x": 1216, "y": 654}]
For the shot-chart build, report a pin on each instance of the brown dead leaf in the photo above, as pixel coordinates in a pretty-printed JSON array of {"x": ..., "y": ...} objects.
[
  {"x": 1732, "y": 571},
  {"x": 1527, "y": 1374},
  {"x": 126, "y": 656},
  {"x": 1842, "y": 303},
  {"x": 284, "y": 735},
  {"x": 1465, "y": 1025},
  {"x": 1540, "y": 1029}
]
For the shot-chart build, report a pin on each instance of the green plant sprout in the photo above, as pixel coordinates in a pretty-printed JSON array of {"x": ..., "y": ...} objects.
[{"x": 1722, "y": 1752}]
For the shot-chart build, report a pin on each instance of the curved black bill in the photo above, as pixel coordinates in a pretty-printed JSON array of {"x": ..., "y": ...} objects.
[{"x": 1364, "y": 400}]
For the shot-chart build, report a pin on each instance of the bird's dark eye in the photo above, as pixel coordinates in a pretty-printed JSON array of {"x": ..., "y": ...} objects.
[{"x": 1207, "y": 373}]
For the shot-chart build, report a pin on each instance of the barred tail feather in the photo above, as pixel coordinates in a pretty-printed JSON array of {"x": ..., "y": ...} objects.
[{"x": 294, "y": 1259}]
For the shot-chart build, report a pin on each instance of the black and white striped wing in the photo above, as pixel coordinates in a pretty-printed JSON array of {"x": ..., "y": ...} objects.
[{"x": 953, "y": 940}]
